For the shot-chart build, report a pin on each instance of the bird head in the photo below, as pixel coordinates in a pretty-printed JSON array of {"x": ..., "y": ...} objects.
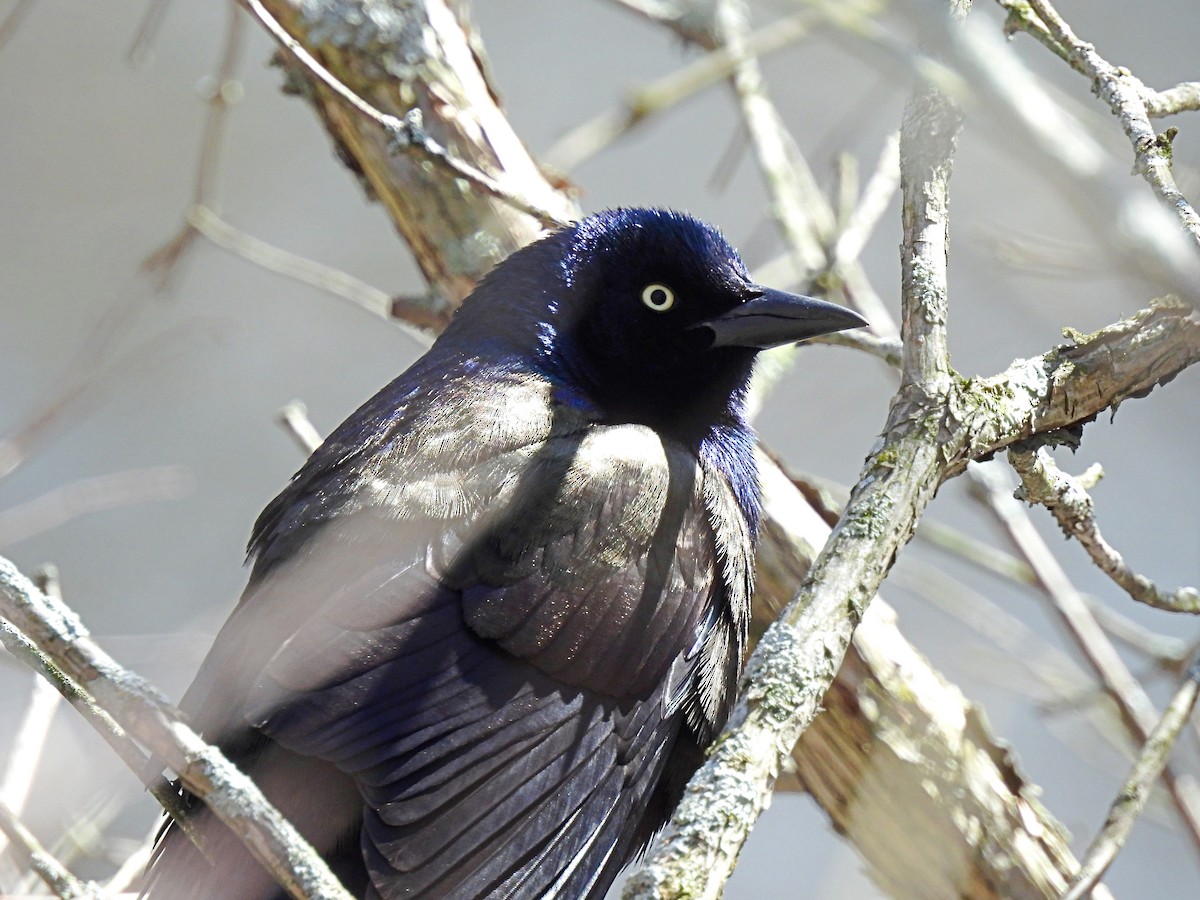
[
  {"x": 652, "y": 316},
  {"x": 663, "y": 321}
]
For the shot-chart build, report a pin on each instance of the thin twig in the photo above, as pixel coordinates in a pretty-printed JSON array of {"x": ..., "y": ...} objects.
[
  {"x": 17, "y": 775},
  {"x": 1124, "y": 95},
  {"x": 843, "y": 272},
  {"x": 407, "y": 134},
  {"x": 845, "y": 189},
  {"x": 1135, "y": 705},
  {"x": 1184, "y": 97},
  {"x": 147, "y": 31},
  {"x": 203, "y": 219},
  {"x": 846, "y": 272},
  {"x": 19, "y": 644},
  {"x": 202, "y": 769},
  {"x": 1045, "y": 483},
  {"x": 1165, "y": 651},
  {"x": 1137, "y": 231},
  {"x": 26, "y": 750},
  {"x": 293, "y": 418},
  {"x": 872, "y": 204},
  {"x": 829, "y": 499},
  {"x": 223, "y": 92},
  {"x": 1021, "y": 17},
  {"x": 798, "y": 656},
  {"x": 884, "y": 348},
  {"x": 806, "y": 218},
  {"x": 221, "y": 95},
  {"x": 91, "y": 495},
  {"x": 589, "y": 138},
  {"x": 685, "y": 22},
  {"x": 423, "y": 56},
  {"x": 49, "y": 869},
  {"x": 1131, "y": 799},
  {"x": 805, "y": 225},
  {"x": 85, "y": 834},
  {"x": 275, "y": 259}
]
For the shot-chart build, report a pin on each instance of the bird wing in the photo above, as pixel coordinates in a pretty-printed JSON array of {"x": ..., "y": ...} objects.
[{"x": 501, "y": 650}]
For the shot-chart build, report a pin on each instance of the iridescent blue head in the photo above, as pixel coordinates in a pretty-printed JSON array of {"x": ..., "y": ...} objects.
[{"x": 651, "y": 316}]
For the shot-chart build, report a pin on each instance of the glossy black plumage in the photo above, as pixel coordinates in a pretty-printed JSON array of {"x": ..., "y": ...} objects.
[{"x": 495, "y": 619}]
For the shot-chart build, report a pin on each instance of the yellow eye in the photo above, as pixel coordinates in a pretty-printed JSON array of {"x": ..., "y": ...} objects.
[{"x": 658, "y": 297}]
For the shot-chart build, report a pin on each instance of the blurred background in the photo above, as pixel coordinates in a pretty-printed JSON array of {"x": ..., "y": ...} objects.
[{"x": 143, "y": 412}]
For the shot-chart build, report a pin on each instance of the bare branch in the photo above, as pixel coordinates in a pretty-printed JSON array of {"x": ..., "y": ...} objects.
[
  {"x": 934, "y": 426},
  {"x": 293, "y": 418},
  {"x": 307, "y": 271},
  {"x": 376, "y": 172},
  {"x": 30, "y": 741},
  {"x": 147, "y": 716},
  {"x": 896, "y": 748},
  {"x": 202, "y": 217},
  {"x": 806, "y": 222},
  {"x": 1166, "y": 651},
  {"x": 1183, "y": 97},
  {"x": 1131, "y": 799},
  {"x": 221, "y": 95},
  {"x": 1136, "y": 230},
  {"x": 1073, "y": 384},
  {"x": 19, "y": 644},
  {"x": 407, "y": 133},
  {"x": 1021, "y": 17},
  {"x": 91, "y": 495},
  {"x": 1124, "y": 95},
  {"x": 805, "y": 217},
  {"x": 928, "y": 138},
  {"x": 21, "y": 766},
  {"x": 1137, "y": 710},
  {"x": 686, "y": 21},
  {"x": 456, "y": 234},
  {"x": 884, "y": 348},
  {"x": 589, "y": 138},
  {"x": 49, "y": 869},
  {"x": 1071, "y": 505},
  {"x": 842, "y": 273},
  {"x": 798, "y": 657},
  {"x": 873, "y": 203}
]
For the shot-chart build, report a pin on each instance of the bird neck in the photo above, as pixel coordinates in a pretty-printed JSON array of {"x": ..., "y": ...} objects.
[
  {"x": 705, "y": 414},
  {"x": 686, "y": 404},
  {"x": 730, "y": 450}
]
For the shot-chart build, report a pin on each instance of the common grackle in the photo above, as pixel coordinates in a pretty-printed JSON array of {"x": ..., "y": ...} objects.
[{"x": 495, "y": 619}]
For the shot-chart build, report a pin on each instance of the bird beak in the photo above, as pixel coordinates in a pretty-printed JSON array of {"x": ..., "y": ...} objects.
[{"x": 776, "y": 317}]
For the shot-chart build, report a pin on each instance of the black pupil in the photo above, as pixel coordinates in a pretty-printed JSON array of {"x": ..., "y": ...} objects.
[{"x": 658, "y": 297}]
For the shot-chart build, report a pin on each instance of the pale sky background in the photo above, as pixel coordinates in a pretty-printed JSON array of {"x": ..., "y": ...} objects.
[{"x": 97, "y": 159}]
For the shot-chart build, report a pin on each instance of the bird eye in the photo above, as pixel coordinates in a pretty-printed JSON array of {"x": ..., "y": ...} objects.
[{"x": 658, "y": 297}]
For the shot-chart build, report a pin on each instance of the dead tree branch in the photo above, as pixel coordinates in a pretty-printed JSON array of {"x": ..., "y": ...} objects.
[
  {"x": 82, "y": 670},
  {"x": 1043, "y": 482}
]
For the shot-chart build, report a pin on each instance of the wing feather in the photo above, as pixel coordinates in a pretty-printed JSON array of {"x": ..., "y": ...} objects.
[{"x": 496, "y": 656}]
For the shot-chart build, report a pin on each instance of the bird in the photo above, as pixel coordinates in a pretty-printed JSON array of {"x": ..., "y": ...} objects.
[{"x": 495, "y": 619}]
